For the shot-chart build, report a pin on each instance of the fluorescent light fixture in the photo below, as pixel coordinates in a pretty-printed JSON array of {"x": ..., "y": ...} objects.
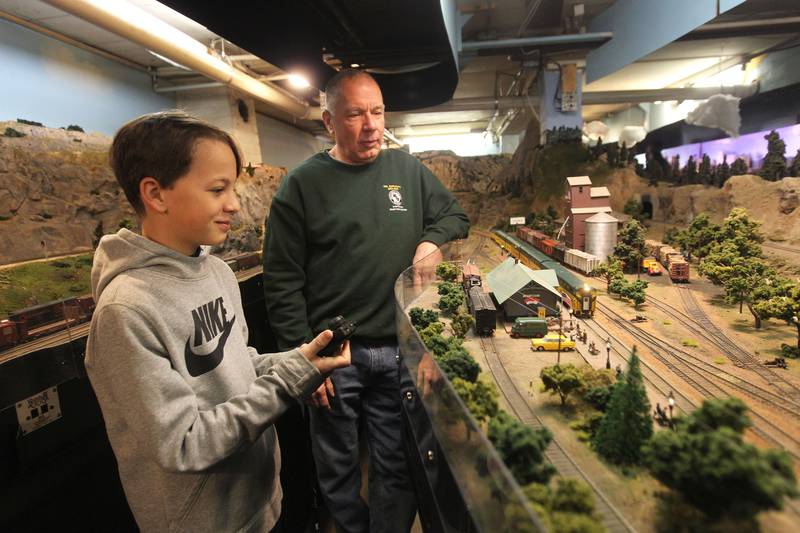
[
  {"x": 657, "y": 102},
  {"x": 298, "y": 81},
  {"x": 354, "y": 65}
]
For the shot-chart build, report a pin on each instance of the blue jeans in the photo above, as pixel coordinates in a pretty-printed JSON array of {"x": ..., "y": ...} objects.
[{"x": 367, "y": 392}]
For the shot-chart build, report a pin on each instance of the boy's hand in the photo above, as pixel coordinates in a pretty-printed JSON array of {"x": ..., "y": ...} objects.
[{"x": 325, "y": 365}]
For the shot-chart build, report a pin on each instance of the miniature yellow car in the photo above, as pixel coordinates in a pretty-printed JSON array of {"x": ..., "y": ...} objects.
[{"x": 550, "y": 342}]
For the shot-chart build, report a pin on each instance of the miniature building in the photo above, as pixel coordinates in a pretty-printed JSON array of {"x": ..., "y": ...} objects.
[
  {"x": 583, "y": 201},
  {"x": 601, "y": 235},
  {"x": 521, "y": 291}
]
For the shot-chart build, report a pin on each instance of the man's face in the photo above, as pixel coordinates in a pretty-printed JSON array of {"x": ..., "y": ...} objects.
[{"x": 357, "y": 121}]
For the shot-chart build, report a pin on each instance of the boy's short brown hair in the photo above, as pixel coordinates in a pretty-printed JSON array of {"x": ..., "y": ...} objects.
[{"x": 160, "y": 145}]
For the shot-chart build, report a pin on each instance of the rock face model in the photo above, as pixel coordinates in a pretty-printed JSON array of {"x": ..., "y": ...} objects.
[
  {"x": 59, "y": 196},
  {"x": 57, "y": 193}
]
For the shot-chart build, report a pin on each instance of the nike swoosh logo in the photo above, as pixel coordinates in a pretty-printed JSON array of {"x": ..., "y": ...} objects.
[{"x": 197, "y": 365}]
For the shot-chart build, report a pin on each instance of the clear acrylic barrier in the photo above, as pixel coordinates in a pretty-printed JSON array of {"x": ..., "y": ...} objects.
[{"x": 464, "y": 473}]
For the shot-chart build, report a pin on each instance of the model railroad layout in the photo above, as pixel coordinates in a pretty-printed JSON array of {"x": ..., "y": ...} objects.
[
  {"x": 611, "y": 518},
  {"x": 55, "y": 323},
  {"x": 580, "y": 297},
  {"x": 698, "y": 322}
]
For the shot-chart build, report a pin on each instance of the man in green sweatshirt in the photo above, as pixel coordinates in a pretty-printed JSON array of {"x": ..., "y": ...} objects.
[{"x": 342, "y": 227}]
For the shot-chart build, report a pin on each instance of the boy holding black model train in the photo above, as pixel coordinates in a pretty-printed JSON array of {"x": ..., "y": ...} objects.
[{"x": 189, "y": 407}]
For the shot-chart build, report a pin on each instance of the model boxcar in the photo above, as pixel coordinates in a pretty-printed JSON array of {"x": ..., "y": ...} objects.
[{"x": 483, "y": 311}]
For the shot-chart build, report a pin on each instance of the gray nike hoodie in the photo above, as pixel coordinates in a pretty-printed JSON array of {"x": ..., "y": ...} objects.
[{"x": 188, "y": 406}]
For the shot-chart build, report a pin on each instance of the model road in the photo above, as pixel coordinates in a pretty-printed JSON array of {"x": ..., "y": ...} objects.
[{"x": 611, "y": 518}]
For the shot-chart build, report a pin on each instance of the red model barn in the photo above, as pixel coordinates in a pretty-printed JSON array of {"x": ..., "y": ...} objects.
[{"x": 583, "y": 201}]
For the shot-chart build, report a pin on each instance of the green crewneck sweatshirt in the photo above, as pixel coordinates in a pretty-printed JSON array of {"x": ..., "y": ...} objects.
[{"x": 338, "y": 236}]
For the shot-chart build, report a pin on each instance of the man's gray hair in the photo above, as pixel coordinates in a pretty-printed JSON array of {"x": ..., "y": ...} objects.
[{"x": 334, "y": 87}]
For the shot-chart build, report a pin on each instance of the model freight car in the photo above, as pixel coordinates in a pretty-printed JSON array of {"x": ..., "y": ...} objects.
[
  {"x": 40, "y": 320},
  {"x": 470, "y": 276},
  {"x": 579, "y": 296},
  {"x": 482, "y": 310}
]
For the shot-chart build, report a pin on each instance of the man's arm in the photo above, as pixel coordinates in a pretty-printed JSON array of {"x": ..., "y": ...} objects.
[{"x": 284, "y": 273}]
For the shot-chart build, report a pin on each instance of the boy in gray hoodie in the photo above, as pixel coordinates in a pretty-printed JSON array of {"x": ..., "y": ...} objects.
[{"x": 189, "y": 407}]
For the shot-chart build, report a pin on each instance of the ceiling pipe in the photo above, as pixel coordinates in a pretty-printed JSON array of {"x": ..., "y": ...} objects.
[
  {"x": 575, "y": 38},
  {"x": 188, "y": 87},
  {"x": 595, "y": 98},
  {"x": 144, "y": 29}
]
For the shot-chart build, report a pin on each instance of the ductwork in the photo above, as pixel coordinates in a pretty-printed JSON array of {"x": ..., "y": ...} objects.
[
  {"x": 595, "y": 98},
  {"x": 140, "y": 27}
]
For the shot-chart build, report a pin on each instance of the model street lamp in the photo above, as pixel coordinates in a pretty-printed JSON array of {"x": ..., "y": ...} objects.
[
  {"x": 671, "y": 404},
  {"x": 608, "y": 354},
  {"x": 558, "y": 357}
]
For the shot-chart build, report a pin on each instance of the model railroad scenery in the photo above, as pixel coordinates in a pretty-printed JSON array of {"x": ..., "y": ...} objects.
[
  {"x": 41, "y": 326},
  {"x": 633, "y": 374}
]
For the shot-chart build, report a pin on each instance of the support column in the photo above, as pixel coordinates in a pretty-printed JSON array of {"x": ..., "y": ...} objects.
[
  {"x": 553, "y": 98},
  {"x": 230, "y": 110}
]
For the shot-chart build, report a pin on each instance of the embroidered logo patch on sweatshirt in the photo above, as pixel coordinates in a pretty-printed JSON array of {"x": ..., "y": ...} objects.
[{"x": 210, "y": 322}]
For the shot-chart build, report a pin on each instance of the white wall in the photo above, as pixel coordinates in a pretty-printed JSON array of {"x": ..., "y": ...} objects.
[{"x": 285, "y": 146}]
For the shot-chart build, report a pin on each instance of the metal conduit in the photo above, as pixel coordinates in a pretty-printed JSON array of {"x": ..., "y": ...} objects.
[{"x": 138, "y": 26}]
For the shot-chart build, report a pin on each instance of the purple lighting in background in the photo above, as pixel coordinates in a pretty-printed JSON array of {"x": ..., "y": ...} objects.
[{"x": 752, "y": 147}]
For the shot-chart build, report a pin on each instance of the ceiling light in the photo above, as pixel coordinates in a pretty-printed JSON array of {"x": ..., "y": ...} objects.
[
  {"x": 657, "y": 102},
  {"x": 298, "y": 81},
  {"x": 354, "y": 65}
]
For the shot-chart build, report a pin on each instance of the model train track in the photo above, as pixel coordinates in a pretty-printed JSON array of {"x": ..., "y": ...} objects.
[
  {"x": 651, "y": 376},
  {"x": 611, "y": 518},
  {"x": 707, "y": 384},
  {"x": 69, "y": 334},
  {"x": 696, "y": 320},
  {"x": 769, "y": 396}
]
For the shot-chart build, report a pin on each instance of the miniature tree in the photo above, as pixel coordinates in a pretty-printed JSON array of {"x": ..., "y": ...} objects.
[
  {"x": 421, "y": 318},
  {"x": 450, "y": 302},
  {"x": 654, "y": 172},
  {"x": 561, "y": 380},
  {"x": 610, "y": 270},
  {"x": 795, "y": 168},
  {"x": 522, "y": 448},
  {"x": 676, "y": 169},
  {"x": 447, "y": 271},
  {"x": 739, "y": 167},
  {"x": 567, "y": 507},
  {"x": 634, "y": 291},
  {"x": 739, "y": 229},
  {"x": 623, "y": 155},
  {"x": 699, "y": 237},
  {"x": 689, "y": 174},
  {"x": 630, "y": 245},
  {"x": 783, "y": 303},
  {"x": 633, "y": 208},
  {"x": 723, "y": 172},
  {"x": 480, "y": 397},
  {"x": 458, "y": 363},
  {"x": 774, "y": 167},
  {"x": 598, "y": 385},
  {"x": 433, "y": 339},
  {"x": 704, "y": 171},
  {"x": 461, "y": 324},
  {"x": 626, "y": 425},
  {"x": 742, "y": 277},
  {"x": 598, "y": 148},
  {"x": 446, "y": 287},
  {"x": 612, "y": 153},
  {"x": 708, "y": 463}
]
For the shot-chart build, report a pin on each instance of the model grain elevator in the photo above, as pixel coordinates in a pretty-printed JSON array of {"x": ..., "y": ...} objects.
[{"x": 601, "y": 235}]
